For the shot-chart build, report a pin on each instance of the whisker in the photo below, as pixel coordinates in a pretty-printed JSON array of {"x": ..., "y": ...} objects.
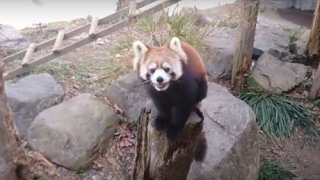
[{"x": 178, "y": 81}]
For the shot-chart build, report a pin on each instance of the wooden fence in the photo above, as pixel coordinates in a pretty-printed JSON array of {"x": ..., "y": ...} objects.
[{"x": 128, "y": 13}]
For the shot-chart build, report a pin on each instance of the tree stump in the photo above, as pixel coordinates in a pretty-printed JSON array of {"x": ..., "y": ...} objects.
[
  {"x": 313, "y": 50},
  {"x": 14, "y": 163},
  {"x": 159, "y": 159},
  {"x": 244, "y": 42}
]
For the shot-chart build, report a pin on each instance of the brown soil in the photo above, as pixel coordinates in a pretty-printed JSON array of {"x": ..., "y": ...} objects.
[{"x": 301, "y": 154}]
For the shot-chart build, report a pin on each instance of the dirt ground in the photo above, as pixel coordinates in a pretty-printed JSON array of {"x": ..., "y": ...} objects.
[{"x": 92, "y": 67}]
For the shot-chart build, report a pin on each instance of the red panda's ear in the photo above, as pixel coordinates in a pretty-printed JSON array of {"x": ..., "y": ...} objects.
[
  {"x": 175, "y": 45},
  {"x": 139, "y": 49}
]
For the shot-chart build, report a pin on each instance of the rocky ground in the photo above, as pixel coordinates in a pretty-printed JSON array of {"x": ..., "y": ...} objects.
[{"x": 91, "y": 68}]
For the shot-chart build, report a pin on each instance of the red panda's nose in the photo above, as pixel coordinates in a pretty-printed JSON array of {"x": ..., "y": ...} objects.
[{"x": 159, "y": 79}]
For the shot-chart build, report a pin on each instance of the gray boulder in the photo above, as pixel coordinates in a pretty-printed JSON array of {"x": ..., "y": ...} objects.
[
  {"x": 31, "y": 95},
  {"x": 218, "y": 57},
  {"x": 129, "y": 94},
  {"x": 277, "y": 76},
  {"x": 230, "y": 128},
  {"x": 71, "y": 133},
  {"x": 271, "y": 38},
  {"x": 12, "y": 39},
  {"x": 299, "y": 47},
  {"x": 232, "y": 138}
]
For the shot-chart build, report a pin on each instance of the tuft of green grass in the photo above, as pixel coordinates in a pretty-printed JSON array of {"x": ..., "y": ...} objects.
[
  {"x": 123, "y": 44},
  {"x": 252, "y": 85},
  {"x": 274, "y": 171},
  {"x": 316, "y": 102},
  {"x": 162, "y": 29},
  {"x": 277, "y": 115}
]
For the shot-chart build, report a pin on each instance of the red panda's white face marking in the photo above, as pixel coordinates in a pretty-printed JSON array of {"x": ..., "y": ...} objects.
[
  {"x": 160, "y": 76},
  {"x": 159, "y": 65}
]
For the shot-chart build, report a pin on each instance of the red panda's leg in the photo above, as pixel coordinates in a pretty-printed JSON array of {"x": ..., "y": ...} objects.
[
  {"x": 199, "y": 111},
  {"x": 180, "y": 115},
  {"x": 163, "y": 113},
  {"x": 202, "y": 89}
]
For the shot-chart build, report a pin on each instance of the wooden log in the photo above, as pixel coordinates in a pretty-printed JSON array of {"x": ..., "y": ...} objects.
[
  {"x": 14, "y": 162},
  {"x": 313, "y": 46},
  {"x": 141, "y": 159},
  {"x": 159, "y": 159},
  {"x": 313, "y": 50},
  {"x": 57, "y": 45},
  {"x": 244, "y": 42},
  {"x": 94, "y": 27},
  {"x": 27, "y": 57}
]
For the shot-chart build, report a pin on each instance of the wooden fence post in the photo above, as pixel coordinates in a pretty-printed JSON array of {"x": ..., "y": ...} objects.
[
  {"x": 313, "y": 49},
  {"x": 244, "y": 42}
]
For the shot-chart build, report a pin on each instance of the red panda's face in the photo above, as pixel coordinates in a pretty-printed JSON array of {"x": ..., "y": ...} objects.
[{"x": 159, "y": 65}]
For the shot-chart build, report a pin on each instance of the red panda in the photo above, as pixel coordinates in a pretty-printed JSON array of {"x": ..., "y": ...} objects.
[{"x": 176, "y": 80}]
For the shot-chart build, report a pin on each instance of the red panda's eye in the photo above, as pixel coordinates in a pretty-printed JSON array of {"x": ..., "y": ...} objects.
[
  {"x": 166, "y": 69},
  {"x": 152, "y": 70}
]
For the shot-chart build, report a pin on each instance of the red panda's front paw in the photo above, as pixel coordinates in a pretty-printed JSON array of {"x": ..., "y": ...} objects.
[{"x": 160, "y": 123}]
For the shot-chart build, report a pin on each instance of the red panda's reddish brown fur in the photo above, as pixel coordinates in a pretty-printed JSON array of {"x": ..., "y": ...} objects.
[{"x": 195, "y": 62}]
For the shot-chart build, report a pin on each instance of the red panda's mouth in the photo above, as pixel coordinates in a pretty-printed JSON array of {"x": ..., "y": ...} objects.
[{"x": 162, "y": 85}]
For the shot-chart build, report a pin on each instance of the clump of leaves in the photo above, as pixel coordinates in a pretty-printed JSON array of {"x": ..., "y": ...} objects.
[
  {"x": 181, "y": 25},
  {"x": 274, "y": 171},
  {"x": 277, "y": 115}
]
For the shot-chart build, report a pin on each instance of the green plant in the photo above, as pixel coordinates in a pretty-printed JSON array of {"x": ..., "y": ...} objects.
[
  {"x": 277, "y": 115},
  {"x": 274, "y": 171},
  {"x": 124, "y": 43},
  {"x": 294, "y": 33},
  {"x": 162, "y": 29},
  {"x": 316, "y": 102},
  {"x": 251, "y": 84}
]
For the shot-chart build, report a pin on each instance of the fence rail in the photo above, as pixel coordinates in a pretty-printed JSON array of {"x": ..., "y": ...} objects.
[{"x": 57, "y": 50}]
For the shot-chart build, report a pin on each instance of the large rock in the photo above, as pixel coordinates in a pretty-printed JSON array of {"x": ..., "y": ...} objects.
[
  {"x": 129, "y": 94},
  {"x": 232, "y": 137},
  {"x": 230, "y": 128},
  {"x": 12, "y": 39},
  {"x": 71, "y": 133},
  {"x": 277, "y": 76},
  {"x": 30, "y": 95},
  {"x": 299, "y": 47}
]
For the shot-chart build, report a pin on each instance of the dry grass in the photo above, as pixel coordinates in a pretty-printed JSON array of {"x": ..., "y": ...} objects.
[{"x": 158, "y": 30}]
